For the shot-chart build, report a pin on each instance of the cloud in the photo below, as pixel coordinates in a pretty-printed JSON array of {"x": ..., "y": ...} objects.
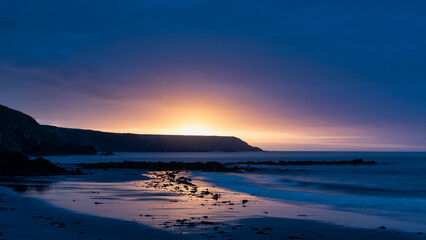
[
  {"x": 33, "y": 80},
  {"x": 310, "y": 64}
]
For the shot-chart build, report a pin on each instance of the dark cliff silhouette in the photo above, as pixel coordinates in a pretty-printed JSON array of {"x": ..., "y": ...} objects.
[{"x": 21, "y": 133}]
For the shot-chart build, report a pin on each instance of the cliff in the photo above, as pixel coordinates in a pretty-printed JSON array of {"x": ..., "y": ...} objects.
[{"x": 20, "y": 132}]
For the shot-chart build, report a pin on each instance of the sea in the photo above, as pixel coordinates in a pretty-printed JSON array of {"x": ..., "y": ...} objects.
[{"x": 391, "y": 193}]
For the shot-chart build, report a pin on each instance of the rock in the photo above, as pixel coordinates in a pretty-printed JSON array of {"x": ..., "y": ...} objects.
[
  {"x": 17, "y": 164},
  {"x": 165, "y": 166},
  {"x": 207, "y": 223},
  {"x": 77, "y": 171},
  {"x": 294, "y": 237},
  {"x": 216, "y": 196},
  {"x": 109, "y": 153}
]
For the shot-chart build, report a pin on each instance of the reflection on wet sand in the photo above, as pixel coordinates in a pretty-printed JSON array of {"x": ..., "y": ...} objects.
[
  {"x": 25, "y": 185},
  {"x": 181, "y": 202},
  {"x": 168, "y": 200}
]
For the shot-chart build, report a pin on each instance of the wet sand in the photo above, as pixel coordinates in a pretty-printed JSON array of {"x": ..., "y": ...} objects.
[
  {"x": 166, "y": 209},
  {"x": 24, "y": 217}
]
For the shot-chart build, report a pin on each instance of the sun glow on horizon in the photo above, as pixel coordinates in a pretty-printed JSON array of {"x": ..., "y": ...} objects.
[
  {"x": 195, "y": 129},
  {"x": 198, "y": 116}
]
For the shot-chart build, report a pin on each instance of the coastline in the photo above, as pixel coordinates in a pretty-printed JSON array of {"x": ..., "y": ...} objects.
[
  {"x": 35, "y": 219},
  {"x": 39, "y": 218}
]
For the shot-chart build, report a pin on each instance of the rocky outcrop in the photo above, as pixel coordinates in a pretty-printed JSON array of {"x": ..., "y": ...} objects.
[
  {"x": 163, "y": 166},
  {"x": 20, "y": 132},
  {"x": 18, "y": 164}
]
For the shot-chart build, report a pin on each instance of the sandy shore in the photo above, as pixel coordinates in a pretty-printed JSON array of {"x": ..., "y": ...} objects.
[
  {"x": 279, "y": 228},
  {"x": 23, "y": 217},
  {"x": 28, "y": 218}
]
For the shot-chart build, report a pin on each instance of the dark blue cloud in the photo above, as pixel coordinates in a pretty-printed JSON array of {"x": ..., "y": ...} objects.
[{"x": 325, "y": 63}]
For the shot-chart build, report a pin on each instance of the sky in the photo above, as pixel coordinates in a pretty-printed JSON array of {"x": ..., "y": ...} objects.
[{"x": 282, "y": 75}]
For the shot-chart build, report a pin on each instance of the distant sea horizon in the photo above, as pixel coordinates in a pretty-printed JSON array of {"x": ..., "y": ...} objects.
[{"x": 379, "y": 156}]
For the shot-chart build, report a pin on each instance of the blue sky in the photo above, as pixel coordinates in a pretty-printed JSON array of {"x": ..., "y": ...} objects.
[{"x": 349, "y": 71}]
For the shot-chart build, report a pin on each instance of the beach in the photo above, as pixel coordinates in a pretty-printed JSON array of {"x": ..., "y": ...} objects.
[
  {"x": 29, "y": 218},
  {"x": 228, "y": 120},
  {"x": 130, "y": 203}
]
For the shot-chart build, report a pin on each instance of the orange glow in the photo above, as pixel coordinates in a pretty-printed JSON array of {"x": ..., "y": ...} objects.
[
  {"x": 201, "y": 115},
  {"x": 194, "y": 129}
]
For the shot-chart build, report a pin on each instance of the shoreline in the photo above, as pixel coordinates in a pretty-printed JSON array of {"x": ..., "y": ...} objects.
[
  {"x": 25, "y": 217},
  {"x": 29, "y": 218},
  {"x": 34, "y": 218}
]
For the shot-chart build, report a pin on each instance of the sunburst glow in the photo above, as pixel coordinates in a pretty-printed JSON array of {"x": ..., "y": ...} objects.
[{"x": 194, "y": 129}]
